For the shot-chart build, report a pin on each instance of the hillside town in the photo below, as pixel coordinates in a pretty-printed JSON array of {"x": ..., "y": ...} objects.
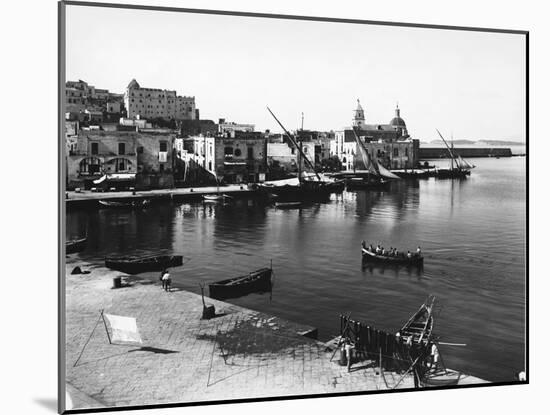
[{"x": 149, "y": 138}]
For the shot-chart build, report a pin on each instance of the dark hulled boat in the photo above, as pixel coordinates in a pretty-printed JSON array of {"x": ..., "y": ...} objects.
[
  {"x": 256, "y": 281},
  {"x": 124, "y": 204},
  {"x": 75, "y": 245},
  {"x": 357, "y": 183},
  {"x": 398, "y": 260},
  {"x": 135, "y": 264}
]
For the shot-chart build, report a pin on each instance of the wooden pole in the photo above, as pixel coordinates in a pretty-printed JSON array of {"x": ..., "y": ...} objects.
[
  {"x": 106, "y": 329},
  {"x": 87, "y": 341}
]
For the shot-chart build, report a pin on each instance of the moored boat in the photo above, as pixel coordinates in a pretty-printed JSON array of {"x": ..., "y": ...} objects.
[
  {"x": 75, "y": 245},
  {"x": 256, "y": 281},
  {"x": 288, "y": 205},
  {"x": 415, "y": 259},
  {"x": 136, "y": 264},
  {"x": 124, "y": 204}
]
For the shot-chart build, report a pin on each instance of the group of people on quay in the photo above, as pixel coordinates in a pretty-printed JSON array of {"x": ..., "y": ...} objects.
[{"x": 392, "y": 252}]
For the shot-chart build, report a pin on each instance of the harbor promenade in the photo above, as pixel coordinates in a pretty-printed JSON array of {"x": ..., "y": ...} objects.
[{"x": 239, "y": 354}]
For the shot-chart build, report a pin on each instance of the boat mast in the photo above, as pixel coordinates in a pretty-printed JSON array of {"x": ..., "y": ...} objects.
[
  {"x": 291, "y": 138},
  {"x": 449, "y": 149},
  {"x": 365, "y": 154}
]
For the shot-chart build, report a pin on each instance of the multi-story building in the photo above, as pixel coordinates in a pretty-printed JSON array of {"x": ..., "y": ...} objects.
[
  {"x": 228, "y": 129},
  {"x": 389, "y": 143},
  {"x": 79, "y": 96},
  {"x": 147, "y": 154},
  {"x": 153, "y": 103}
]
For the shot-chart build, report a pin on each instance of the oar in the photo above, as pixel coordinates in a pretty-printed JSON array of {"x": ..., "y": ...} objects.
[{"x": 452, "y": 344}]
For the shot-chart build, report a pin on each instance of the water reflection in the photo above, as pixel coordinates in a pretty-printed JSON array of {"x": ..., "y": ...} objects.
[{"x": 472, "y": 234}]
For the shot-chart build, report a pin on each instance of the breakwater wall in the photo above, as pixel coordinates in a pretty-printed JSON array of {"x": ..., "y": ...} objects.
[{"x": 442, "y": 152}]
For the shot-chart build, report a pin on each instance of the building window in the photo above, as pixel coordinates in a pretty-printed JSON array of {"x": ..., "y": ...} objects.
[
  {"x": 228, "y": 151},
  {"x": 210, "y": 165},
  {"x": 407, "y": 151},
  {"x": 250, "y": 153},
  {"x": 396, "y": 152},
  {"x": 161, "y": 168},
  {"x": 95, "y": 149},
  {"x": 121, "y": 149},
  {"x": 163, "y": 146}
]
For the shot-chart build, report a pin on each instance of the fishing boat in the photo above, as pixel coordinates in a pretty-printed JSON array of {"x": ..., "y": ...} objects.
[
  {"x": 137, "y": 264},
  {"x": 359, "y": 183},
  {"x": 440, "y": 378},
  {"x": 418, "y": 329},
  {"x": 415, "y": 259},
  {"x": 125, "y": 204},
  {"x": 75, "y": 245},
  {"x": 256, "y": 281},
  {"x": 304, "y": 187},
  {"x": 287, "y": 205},
  {"x": 459, "y": 169}
]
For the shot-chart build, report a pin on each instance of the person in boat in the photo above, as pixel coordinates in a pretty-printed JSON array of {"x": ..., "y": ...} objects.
[
  {"x": 409, "y": 255},
  {"x": 390, "y": 252},
  {"x": 167, "y": 281},
  {"x": 371, "y": 249},
  {"x": 383, "y": 252},
  {"x": 363, "y": 244},
  {"x": 377, "y": 249},
  {"x": 396, "y": 252},
  {"x": 418, "y": 251}
]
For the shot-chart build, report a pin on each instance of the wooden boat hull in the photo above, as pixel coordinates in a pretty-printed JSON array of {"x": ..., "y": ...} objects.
[
  {"x": 256, "y": 281},
  {"x": 75, "y": 245},
  {"x": 306, "y": 191},
  {"x": 420, "y": 325},
  {"x": 366, "y": 184},
  {"x": 125, "y": 204},
  {"x": 136, "y": 265},
  {"x": 450, "y": 173},
  {"x": 440, "y": 379},
  {"x": 287, "y": 205},
  {"x": 400, "y": 260}
]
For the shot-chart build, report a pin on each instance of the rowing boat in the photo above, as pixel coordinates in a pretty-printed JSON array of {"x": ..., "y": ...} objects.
[
  {"x": 287, "y": 205},
  {"x": 418, "y": 330},
  {"x": 256, "y": 281},
  {"x": 124, "y": 204},
  {"x": 135, "y": 264},
  {"x": 75, "y": 245},
  {"x": 415, "y": 259}
]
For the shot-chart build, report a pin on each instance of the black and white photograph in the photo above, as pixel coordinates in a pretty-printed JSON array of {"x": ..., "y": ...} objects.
[{"x": 268, "y": 206}]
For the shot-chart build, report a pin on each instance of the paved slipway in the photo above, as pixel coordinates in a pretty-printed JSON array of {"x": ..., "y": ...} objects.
[{"x": 239, "y": 354}]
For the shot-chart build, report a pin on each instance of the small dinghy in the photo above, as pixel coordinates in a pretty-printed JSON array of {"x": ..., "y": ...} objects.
[
  {"x": 136, "y": 264},
  {"x": 256, "y": 281}
]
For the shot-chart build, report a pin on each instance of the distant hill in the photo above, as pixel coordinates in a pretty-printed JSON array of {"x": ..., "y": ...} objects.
[
  {"x": 500, "y": 143},
  {"x": 481, "y": 142},
  {"x": 453, "y": 141}
]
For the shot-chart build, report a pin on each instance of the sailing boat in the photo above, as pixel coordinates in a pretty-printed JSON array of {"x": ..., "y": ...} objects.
[
  {"x": 377, "y": 176},
  {"x": 216, "y": 197},
  {"x": 304, "y": 187},
  {"x": 462, "y": 168}
]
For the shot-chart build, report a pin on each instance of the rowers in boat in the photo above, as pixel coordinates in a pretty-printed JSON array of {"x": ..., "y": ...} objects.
[{"x": 392, "y": 256}]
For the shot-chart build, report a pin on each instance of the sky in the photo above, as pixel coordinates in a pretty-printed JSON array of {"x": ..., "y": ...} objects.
[{"x": 470, "y": 85}]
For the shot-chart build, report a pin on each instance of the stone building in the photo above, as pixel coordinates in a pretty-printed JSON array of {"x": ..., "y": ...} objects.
[
  {"x": 147, "y": 154},
  {"x": 228, "y": 129},
  {"x": 389, "y": 143},
  {"x": 79, "y": 96},
  {"x": 153, "y": 103}
]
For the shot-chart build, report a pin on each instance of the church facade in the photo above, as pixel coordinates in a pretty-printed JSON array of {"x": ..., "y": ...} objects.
[{"x": 389, "y": 143}]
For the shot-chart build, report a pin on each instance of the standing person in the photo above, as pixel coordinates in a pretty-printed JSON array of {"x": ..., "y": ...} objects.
[
  {"x": 167, "y": 281},
  {"x": 348, "y": 348},
  {"x": 160, "y": 278},
  {"x": 418, "y": 251}
]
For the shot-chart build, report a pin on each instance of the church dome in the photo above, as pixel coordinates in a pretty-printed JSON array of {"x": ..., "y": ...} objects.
[{"x": 397, "y": 121}]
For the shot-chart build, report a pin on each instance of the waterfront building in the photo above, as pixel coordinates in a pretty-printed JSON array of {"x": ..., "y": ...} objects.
[
  {"x": 389, "y": 143},
  {"x": 153, "y": 103},
  {"x": 147, "y": 154}
]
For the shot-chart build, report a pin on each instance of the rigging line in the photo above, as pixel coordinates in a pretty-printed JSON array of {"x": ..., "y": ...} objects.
[{"x": 89, "y": 338}]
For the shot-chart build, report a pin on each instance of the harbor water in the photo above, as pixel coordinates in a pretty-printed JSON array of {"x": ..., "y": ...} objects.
[{"x": 472, "y": 233}]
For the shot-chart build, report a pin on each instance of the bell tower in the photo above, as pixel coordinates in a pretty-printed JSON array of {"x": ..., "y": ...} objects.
[{"x": 359, "y": 117}]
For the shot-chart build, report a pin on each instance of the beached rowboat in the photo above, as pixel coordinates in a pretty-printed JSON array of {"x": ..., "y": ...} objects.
[
  {"x": 135, "y": 265},
  {"x": 256, "y": 281},
  {"x": 400, "y": 259},
  {"x": 75, "y": 245},
  {"x": 420, "y": 325}
]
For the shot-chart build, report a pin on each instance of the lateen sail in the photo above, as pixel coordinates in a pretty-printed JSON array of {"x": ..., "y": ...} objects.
[
  {"x": 371, "y": 164},
  {"x": 385, "y": 172}
]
